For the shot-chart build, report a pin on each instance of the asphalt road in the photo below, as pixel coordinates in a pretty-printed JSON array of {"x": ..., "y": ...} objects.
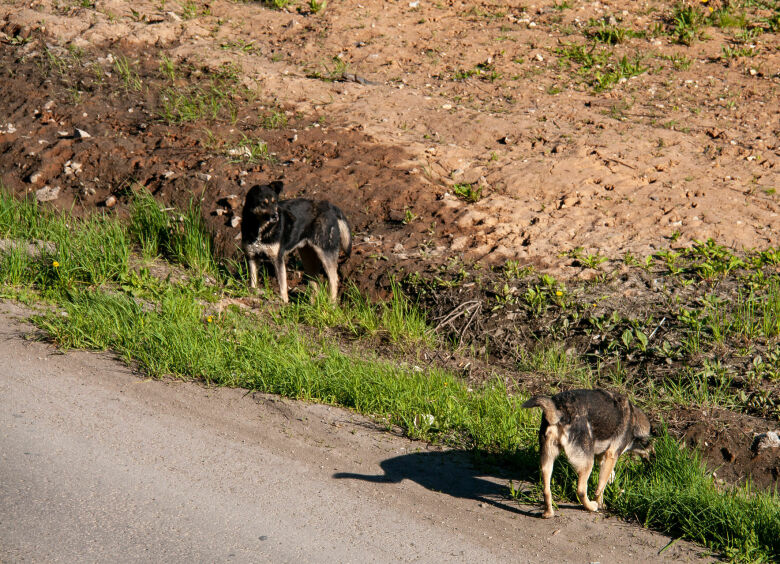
[{"x": 98, "y": 464}]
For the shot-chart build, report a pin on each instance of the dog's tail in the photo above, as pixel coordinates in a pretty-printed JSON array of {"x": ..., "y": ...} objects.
[
  {"x": 345, "y": 234},
  {"x": 551, "y": 413}
]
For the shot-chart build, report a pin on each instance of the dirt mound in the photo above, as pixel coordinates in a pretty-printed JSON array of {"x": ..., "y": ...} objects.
[
  {"x": 725, "y": 440},
  {"x": 487, "y": 99}
]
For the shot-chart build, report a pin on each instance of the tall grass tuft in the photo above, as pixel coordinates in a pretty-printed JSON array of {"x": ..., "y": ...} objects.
[
  {"x": 20, "y": 219},
  {"x": 95, "y": 253},
  {"x": 180, "y": 237},
  {"x": 399, "y": 320}
]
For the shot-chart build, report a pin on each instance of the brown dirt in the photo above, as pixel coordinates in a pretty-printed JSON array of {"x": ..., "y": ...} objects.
[
  {"x": 683, "y": 154},
  {"x": 725, "y": 439}
]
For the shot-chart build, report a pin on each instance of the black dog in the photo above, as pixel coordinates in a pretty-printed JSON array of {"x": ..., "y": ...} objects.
[
  {"x": 588, "y": 424},
  {"x": 318, "y": 230}
]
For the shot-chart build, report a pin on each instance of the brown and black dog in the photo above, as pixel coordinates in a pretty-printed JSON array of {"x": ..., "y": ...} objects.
[
  {"x": 587, "y": 424},
  {"x": 274, "y": 228}
]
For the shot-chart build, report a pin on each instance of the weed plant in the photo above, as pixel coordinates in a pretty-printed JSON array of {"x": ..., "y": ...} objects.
[
  {"x": 178, "y": 237},
  {"x": 600, "y": 69},
  {"x": 468, "y": 192}
]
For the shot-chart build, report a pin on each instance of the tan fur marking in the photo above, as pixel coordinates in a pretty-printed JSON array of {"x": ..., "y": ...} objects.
[{"x": 344, "y": 234}]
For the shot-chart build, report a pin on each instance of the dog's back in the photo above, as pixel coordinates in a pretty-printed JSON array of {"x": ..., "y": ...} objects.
[
  {"x": 320, "y": 223},
  {"x": 607, "y": 413}
]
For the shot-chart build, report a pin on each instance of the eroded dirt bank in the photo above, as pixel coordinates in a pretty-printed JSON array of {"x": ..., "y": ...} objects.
[{"x": 483, "y": 94}]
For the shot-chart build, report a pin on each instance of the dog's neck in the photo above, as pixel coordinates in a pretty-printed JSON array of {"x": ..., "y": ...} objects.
[
  {"x": 264, "y": 231},
  {"x": 268, "y": 229}
]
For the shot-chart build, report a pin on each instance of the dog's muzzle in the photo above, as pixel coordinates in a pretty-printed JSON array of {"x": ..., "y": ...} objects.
[{"x": 271, "y": 218}]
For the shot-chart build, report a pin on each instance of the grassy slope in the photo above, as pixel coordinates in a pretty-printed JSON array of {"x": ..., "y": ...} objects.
[{"x": 176, "y": 329}]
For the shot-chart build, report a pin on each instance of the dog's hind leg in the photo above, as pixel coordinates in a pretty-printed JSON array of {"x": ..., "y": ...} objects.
[
  {"x": 332, "y": 272},
  {"x": 330, "y": 262},
  {"x": 550, "y": 451},
  {"x": 606, "y": 473},
  {"x": 312, "y": 265}
]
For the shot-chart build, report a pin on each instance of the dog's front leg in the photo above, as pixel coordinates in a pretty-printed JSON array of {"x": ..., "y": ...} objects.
[
  {"x": 253, "y": 272},
  {"x": 606, "y": 469},
  {"x": 281, "y": 277}
]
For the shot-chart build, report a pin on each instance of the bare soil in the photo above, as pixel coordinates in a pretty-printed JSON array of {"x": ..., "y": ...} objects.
[{"x": 386, "y": 108}]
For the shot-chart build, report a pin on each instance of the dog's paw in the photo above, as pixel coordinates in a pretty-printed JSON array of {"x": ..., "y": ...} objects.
[
  {"x": 591, "y": 506},
  {"x": 548, "y": 514}
]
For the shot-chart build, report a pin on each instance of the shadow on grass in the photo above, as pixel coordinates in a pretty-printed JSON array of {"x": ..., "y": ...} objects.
[{"x": 461, "y": 474}]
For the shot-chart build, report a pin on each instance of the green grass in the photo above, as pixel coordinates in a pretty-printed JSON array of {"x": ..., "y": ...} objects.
[
  {"x": 687, "y": 20},
  {"x": 250, "y": 150},
  {"x": 127, "y": 73},
  {"x": 177, "y": 329},
  {"x": 729, "y": 52},
  {"x": 676, "y": 495},
  {"x": 602, "y": 32},
  {"x": 178, "y": 336},
  {"x": 275, "y": 119},
  {"x": 212, "y": 95},
  {"x": 396, "y": 320},
  {"x": 316, "y": 6},
  {"x": 679, "y": 62},
  {"x": 277, "y": 4}
]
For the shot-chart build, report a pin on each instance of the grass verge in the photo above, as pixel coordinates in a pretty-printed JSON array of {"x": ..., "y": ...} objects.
[{"x": 177, "y": 328}]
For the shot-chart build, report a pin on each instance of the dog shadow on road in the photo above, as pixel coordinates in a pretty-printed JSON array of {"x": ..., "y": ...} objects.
[{"x": 454, "y": 473}]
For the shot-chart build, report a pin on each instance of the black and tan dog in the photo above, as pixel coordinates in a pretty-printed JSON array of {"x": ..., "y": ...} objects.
[
  {"x": 274, "y": 228},
  {"x": 586, "y": 424}
]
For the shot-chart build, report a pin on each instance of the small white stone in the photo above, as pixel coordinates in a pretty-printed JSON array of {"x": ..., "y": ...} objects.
[{"x": 47, "y": 193}]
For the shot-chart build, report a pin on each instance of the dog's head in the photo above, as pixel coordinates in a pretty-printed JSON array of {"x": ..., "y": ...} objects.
[
  {"x": 640, "y": 429},
  {"x": 262, "y": 202}
]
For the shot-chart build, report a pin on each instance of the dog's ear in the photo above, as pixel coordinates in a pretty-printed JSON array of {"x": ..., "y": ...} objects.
[{"x": 277, "y": 186}]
